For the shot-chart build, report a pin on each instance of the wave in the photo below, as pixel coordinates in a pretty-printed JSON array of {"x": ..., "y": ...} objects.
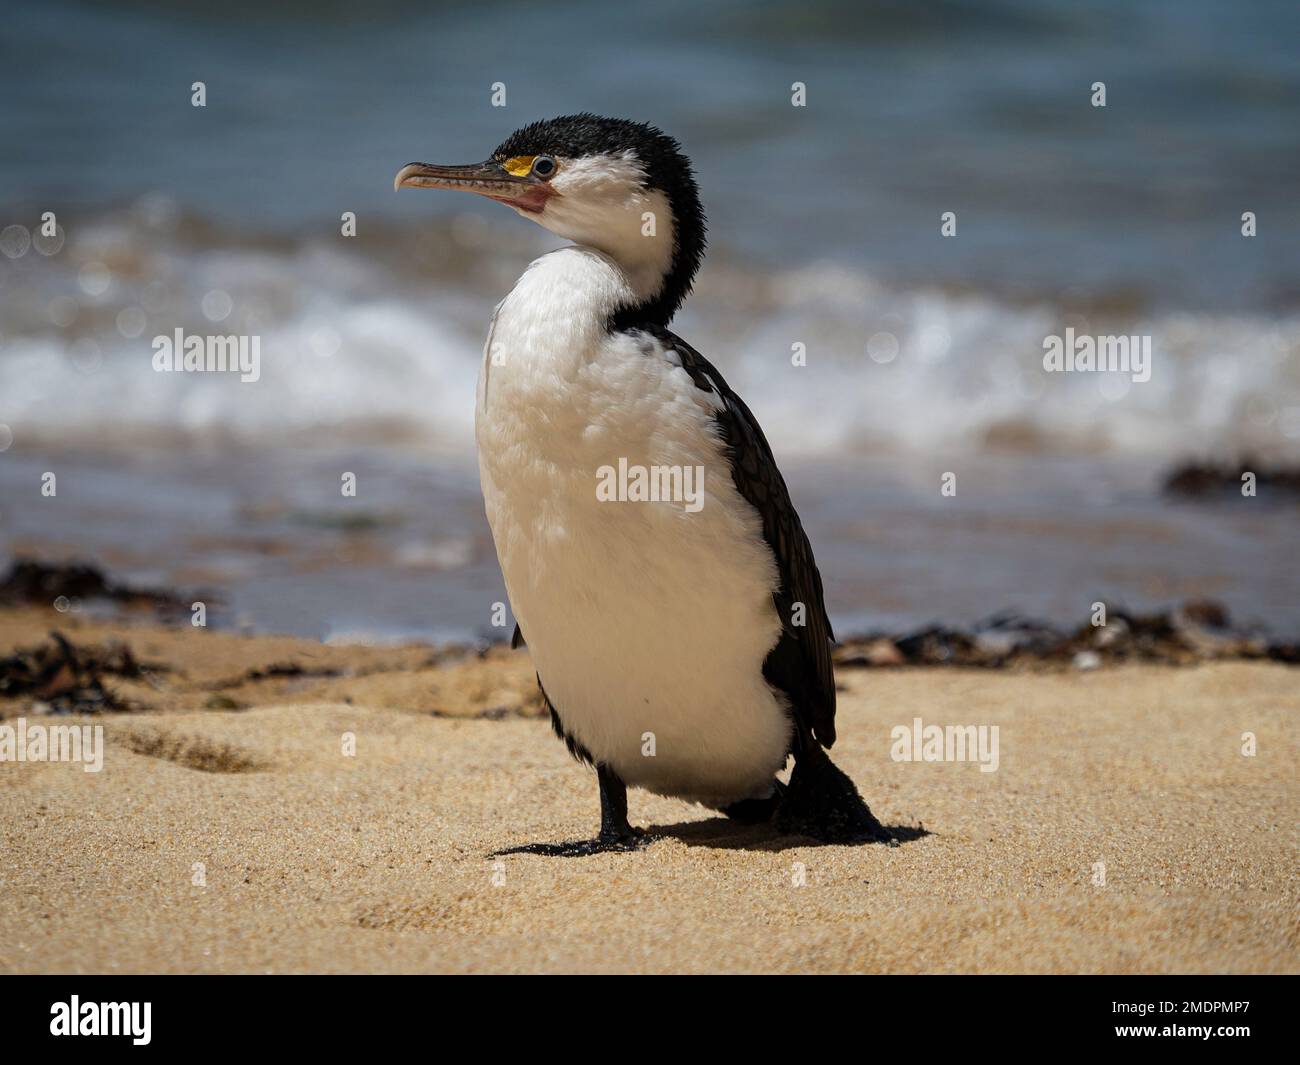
[{"x": 379, "y": 337}]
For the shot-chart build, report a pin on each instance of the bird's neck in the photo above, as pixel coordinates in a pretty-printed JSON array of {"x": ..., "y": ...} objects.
[
  {"x": 550, "y": 327},
  {"x": 641, "y": 236},
  {"x": 667, "y": 272}
]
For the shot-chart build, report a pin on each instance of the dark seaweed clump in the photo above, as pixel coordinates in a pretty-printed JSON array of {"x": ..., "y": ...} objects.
[
  {"x": 69, "y": 679},
  {"x": 1196, "y": 631}
]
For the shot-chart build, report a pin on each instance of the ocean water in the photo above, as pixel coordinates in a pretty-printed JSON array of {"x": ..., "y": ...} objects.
[{"x": 924, "y": 353}]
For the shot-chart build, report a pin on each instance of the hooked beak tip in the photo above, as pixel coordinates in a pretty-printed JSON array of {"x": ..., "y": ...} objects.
[{"x": 407, "y": 172}]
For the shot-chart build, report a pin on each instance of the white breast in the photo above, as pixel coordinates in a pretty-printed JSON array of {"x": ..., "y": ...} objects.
[{"x": 647, "y": 623}]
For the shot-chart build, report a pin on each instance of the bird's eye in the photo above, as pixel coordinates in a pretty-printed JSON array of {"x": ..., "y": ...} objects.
[{"x": 543, "y": 166}]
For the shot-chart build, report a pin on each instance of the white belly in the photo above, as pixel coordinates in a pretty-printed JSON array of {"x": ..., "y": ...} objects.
[{"x": 648, "y": 624}]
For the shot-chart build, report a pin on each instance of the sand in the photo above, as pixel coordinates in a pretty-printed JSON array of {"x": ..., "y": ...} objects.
[{"x": 245, "y": 840}]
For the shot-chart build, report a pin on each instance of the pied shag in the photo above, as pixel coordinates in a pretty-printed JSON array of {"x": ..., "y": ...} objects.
[{"x": 684, "y": 649}]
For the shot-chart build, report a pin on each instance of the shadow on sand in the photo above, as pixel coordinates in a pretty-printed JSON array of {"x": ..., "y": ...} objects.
[
  {"x": 722, "y": 834},
  {"x": 717, "y": 832}
]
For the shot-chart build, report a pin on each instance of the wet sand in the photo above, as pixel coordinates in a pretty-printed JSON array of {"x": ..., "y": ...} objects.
[{"x": 314, "y": 860}]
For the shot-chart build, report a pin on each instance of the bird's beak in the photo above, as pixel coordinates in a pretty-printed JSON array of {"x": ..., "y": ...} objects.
[
  {"x": 489, "y": 179},
  {"x": 476, "y": 177}
]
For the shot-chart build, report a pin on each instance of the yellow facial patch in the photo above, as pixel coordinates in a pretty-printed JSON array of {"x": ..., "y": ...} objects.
[{"x": 519, "y": 165}]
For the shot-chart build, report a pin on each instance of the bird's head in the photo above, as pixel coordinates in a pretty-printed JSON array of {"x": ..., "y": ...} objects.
[{"x": 621, "y": 187}]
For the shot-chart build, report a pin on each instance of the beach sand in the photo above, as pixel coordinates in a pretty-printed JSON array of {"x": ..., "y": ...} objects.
[{"x": 313, "y": 860}]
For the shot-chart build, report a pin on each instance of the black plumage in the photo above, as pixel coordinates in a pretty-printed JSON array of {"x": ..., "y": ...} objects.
[{"x": 800, "y": 663}]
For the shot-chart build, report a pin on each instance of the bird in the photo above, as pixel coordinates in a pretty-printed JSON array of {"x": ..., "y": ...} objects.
[{"x": 684, "y": 650}]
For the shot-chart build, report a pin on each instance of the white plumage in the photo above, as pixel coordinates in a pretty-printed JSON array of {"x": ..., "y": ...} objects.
[{"x": 648, "y": 625}]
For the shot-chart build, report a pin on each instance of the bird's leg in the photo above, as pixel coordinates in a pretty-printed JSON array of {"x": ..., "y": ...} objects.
[
  {"x": 615, "y": 832},
  {"x": 614, "y": 827}
]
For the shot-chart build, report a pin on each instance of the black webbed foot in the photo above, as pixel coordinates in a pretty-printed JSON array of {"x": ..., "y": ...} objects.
[
  {"x": 822, "y": 803},
  {"x": 615, "y": 832}
]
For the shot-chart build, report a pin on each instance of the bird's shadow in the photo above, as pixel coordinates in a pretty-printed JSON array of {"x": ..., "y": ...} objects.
[{"x": 717, "y": 833}]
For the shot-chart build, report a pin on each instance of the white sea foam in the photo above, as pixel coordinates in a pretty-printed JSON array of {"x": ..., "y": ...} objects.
[
  {"x": 968, "y": 373},
  {"x": 353, "y": 345}
]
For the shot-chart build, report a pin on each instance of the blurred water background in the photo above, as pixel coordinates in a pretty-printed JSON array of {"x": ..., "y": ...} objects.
[{"x": 924, "y": 353}]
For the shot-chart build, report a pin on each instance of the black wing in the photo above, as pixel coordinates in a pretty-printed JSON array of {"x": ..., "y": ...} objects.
[{"x": 800, "y": 663}]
